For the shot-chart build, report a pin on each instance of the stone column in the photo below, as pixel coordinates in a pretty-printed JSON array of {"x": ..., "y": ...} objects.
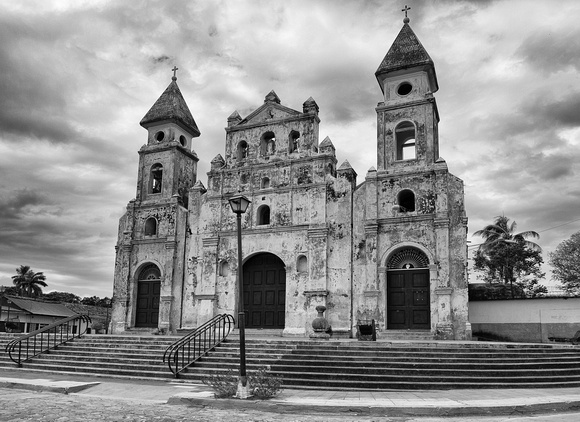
[{"x": 444, "y": 323}]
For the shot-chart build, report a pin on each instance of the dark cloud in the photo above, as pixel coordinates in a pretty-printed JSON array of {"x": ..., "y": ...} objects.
[
  {"x": 18, "y": 203},
  {"x": 551, "y": 51},
  {"x": 564, "y": 112}
]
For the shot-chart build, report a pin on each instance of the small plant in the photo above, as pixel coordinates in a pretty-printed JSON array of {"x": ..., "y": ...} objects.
[
  {"x": 265, "y": 385},
  {"x": 224, "y": 385}
]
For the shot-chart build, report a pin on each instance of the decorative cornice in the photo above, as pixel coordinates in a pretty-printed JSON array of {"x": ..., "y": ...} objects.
[
  {"x": 203, "y": 297},
  {"x": 170, "y": 244},
  {"x": 371, "y": 228},
  {"x": 317, "y": 232},
  {"x": 371, "y": 293},
  {"x": 210, "y": 242},
  {"x": 441, "y": 291},
  {"x": 315, "y": 293},
  {"x": 441, "y": 223}
]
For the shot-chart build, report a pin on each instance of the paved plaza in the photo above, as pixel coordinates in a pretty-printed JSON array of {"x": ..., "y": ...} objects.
[{"x": 35, "y": 396}]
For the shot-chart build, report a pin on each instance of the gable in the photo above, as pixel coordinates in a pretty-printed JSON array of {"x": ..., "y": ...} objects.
[{"x": 267, "y": 112}]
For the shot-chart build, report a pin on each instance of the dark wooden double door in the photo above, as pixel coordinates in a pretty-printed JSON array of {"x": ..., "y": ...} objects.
[
  {"x": 265, "y": 291},
  {"x": 148, "y": 293},
  {"x": 408, "y": 300}
]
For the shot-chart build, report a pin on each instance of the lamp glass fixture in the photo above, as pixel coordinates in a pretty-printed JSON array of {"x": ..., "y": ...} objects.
[{"x": 239, "y": 204}]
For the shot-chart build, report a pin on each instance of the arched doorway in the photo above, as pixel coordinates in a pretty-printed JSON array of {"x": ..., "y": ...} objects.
[
  {"x": 264, "y": 291},
  {"x": 408, "y": 299},
  {"x": 148, "y": 290}
]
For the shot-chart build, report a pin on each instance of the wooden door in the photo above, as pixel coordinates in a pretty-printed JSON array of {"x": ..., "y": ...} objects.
[
  {"x": 265, "y": 291},
  {"x": 408, "y": 303},
  {"x": 148, "y": 292}
]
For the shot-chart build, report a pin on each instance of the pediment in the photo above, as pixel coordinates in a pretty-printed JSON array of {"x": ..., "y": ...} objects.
[{"x": 269, "y": 112}]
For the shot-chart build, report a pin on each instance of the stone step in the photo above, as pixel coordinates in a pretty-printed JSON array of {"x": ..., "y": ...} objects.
[{"x": 341, "y": 364}]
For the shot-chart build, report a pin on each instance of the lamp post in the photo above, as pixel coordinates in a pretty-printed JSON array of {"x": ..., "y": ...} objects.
[{"x": 239, "y": 204}]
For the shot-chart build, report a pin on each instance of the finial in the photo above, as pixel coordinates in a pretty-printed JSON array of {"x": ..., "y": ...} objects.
[
  {"x": 175, "y": 69},
  {"x": 406, "y": 9}
]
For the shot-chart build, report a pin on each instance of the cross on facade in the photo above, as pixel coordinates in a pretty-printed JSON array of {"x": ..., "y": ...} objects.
[{"x": 175, "y": 69}]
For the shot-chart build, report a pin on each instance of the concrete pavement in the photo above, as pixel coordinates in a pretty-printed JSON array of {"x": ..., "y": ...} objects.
[{"x": 384, "y": 403}]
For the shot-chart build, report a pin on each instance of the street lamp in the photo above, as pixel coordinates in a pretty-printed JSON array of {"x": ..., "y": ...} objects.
[{"x": 239, "y": 204}]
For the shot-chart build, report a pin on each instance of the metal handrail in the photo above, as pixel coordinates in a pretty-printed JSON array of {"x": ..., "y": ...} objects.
[
  {"x": 50, "y": 337},
  {"x": 191, "y": 347}
]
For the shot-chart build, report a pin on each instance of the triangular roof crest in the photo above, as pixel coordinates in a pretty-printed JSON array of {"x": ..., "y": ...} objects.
[
  {"x": 171, "y": 106},
  {"x": 407, "y": 52}
]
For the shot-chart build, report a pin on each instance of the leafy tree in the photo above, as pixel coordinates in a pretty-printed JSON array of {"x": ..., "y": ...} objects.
[
  {"x": 97, "y": 301},
  {"x": 508, "y": 257},
  {"x": 62, "y": 297},
  {"x": 11, "y": 290},
  {"x": 566, "y": 263},
  {"x": 28, "y": 282}
]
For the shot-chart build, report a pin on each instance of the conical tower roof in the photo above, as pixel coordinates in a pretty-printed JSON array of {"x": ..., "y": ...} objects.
[
  {"x": 407, "y": 52},
  {"x": 171, "y": 106}
]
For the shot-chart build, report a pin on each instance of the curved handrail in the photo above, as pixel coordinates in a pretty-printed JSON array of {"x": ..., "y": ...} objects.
[
  {"x": 50, "y": 337},
  {"x": 188, "y": 349}
]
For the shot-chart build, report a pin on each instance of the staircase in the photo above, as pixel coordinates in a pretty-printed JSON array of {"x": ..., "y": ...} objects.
[{"x": 342, "y": 364}]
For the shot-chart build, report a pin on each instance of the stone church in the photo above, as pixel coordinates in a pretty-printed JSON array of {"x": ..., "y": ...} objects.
[{"x": 391, "y": 247}]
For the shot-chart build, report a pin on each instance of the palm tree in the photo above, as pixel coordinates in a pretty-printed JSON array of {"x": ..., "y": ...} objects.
[
  {"x": 501, "y": 232},
  {"x": 28, "y": 282},
  {"x": 501, "y": 247}
]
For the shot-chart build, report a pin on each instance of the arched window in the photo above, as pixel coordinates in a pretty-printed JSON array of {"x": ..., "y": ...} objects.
[
  {"x": 151, "y": 227},
  {"x": 293, "y": 141},
  {"x": 242, "y": 150},
  {"x": 156, "y": 178},
  {"x": 406, "y": 201},
  {"x": 224, "y": 268},
  {"x": 302, "y": 264},
  {"x": 265, "y": 184},
  {"x": 263, "y": 215},
  {"x": 330, "y": 170},
  {"x": 405, "y": 138},
  {"x": 268, "y": 144},
  {"x": 407, "y": 259}
]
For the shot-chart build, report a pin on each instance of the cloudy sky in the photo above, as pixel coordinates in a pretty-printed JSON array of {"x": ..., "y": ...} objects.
[{"x": 77, "y": 77}]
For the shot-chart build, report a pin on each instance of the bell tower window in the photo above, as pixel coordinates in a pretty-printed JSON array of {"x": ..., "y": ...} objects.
[
  {"x": 151, "y": 227},
  {"x": 406, "y": 200},
  {"x": 263, "y": 215},
  {"x": 293, "y": 141},
  {"x": 405, "y": 138},
  {"x": 242, "y": 150},
  {"x": 268, "y": 144},
  {"x": 156, "y": 179}
]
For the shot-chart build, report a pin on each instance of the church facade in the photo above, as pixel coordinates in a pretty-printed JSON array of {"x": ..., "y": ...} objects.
[{"x": 390, "y": 248}]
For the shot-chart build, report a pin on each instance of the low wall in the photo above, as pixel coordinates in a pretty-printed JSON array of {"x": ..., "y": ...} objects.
[{"x": 526, "y": 320}]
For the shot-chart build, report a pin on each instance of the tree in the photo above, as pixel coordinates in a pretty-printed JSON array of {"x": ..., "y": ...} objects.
[
  {"x": 508, "y": 257},
  {"x": 96, "y": 301},
  {"x": 28, "y": 282},
  {"x": 62, "y": 297},
  {"x": 566, "y": 263}
]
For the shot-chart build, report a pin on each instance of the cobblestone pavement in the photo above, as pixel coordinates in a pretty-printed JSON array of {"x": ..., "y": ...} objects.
[{"x": 25, "y": 405}]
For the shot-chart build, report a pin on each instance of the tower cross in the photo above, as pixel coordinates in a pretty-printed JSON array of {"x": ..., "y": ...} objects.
[
  {"x": 406, "y": 9},
  {"x": 175, "y": 69}
]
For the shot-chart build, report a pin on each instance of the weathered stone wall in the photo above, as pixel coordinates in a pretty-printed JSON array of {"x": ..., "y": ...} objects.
[{"x": 528, "y": 320}]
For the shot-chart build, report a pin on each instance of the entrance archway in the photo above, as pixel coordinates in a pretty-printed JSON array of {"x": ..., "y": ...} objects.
[
  {"x": 408, "y": 298},
  {"x": 148, "y": 291},
  {"x": 264, "y": 291}
]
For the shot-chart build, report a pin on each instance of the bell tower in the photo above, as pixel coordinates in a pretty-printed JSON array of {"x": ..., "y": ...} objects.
[
  {"x": 149, "y": 266},
  {"x": 407, "y": 119}
]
